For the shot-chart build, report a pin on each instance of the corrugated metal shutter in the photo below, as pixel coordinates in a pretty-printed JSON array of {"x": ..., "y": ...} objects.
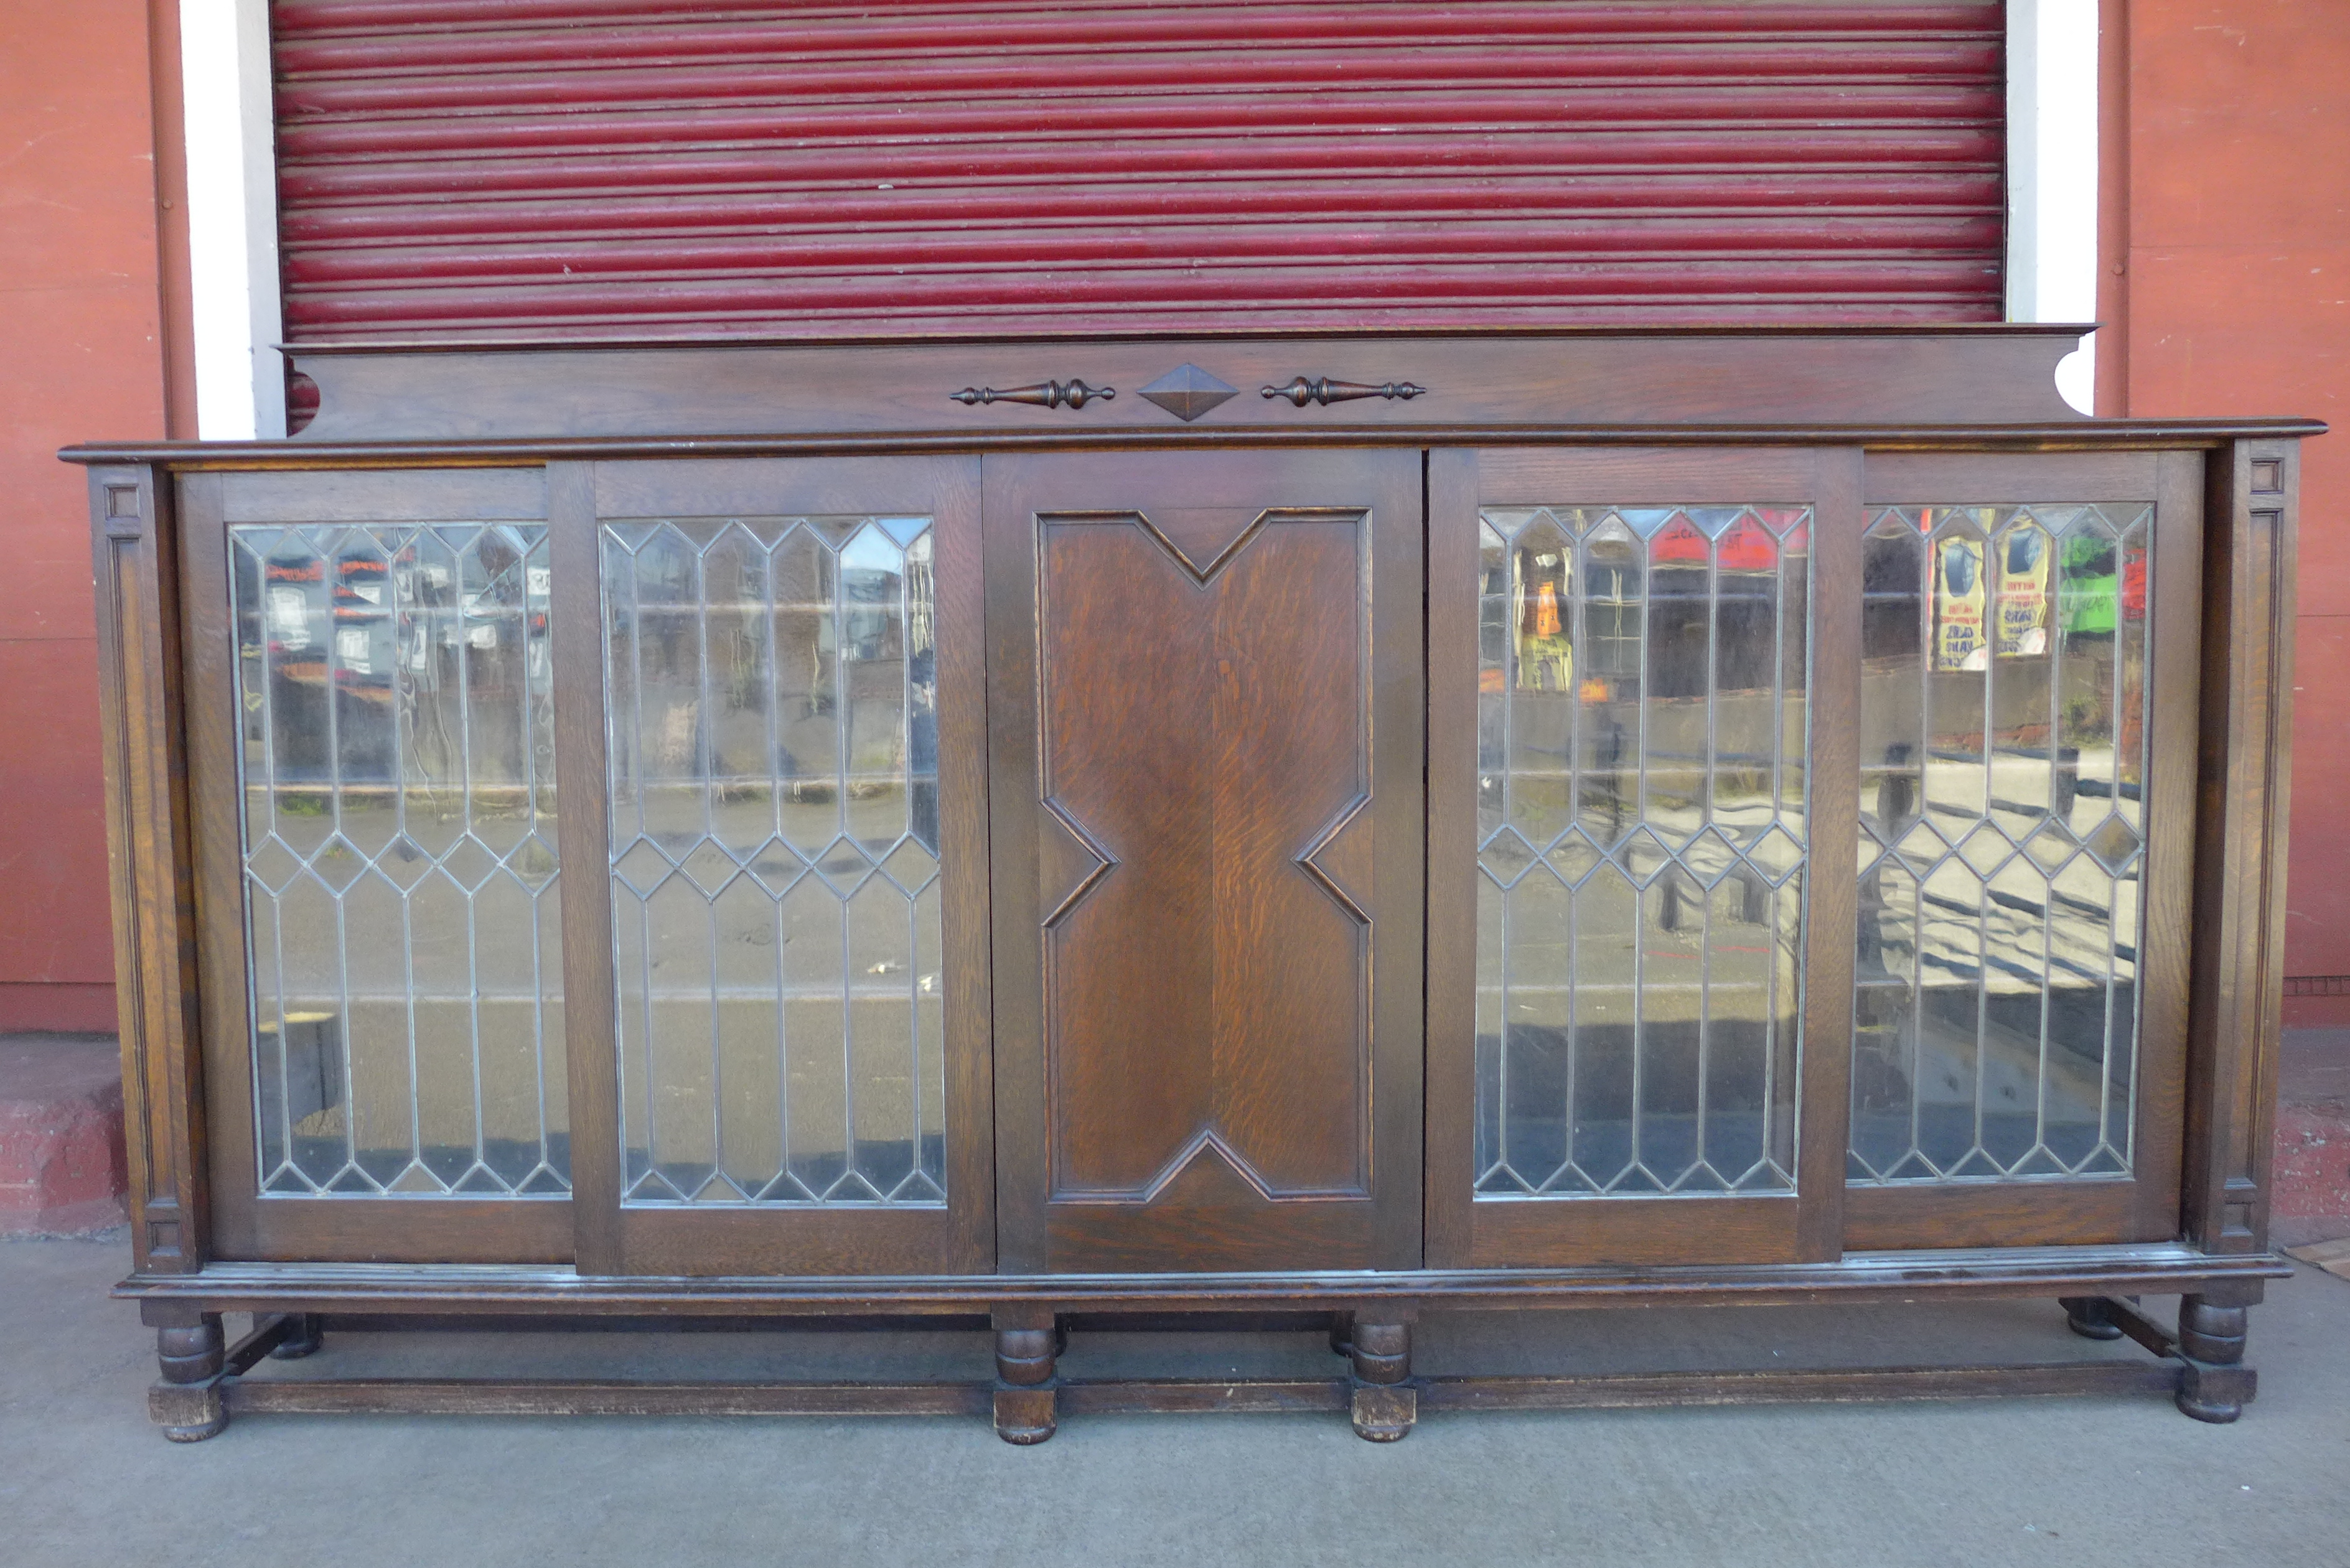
[{"x": 559, "y": 169}]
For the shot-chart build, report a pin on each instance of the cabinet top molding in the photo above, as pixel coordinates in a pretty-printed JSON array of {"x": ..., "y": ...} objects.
[
  {"x": 1962, "y": 387},
  {"x": 1888, "y": 376},
  {"x": 528, "y": 451}
]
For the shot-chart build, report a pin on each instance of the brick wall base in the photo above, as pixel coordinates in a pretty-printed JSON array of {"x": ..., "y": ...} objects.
[{"x": 61, "y": 1164}]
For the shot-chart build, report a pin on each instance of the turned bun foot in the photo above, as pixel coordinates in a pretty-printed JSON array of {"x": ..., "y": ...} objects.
[
  {"x": 2219, "y": 1412},
  {"x": 304, "y": 1333},
  {"x": 2215, "y": 1385},
  {"x": 1026, "y": 1376},
  {"x": 1386, "y": 1402},
  {"x": 2091, "y": 1317}
]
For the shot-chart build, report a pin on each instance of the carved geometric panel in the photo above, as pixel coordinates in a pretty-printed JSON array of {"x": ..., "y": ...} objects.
[{"x": 1205, "y": 748}]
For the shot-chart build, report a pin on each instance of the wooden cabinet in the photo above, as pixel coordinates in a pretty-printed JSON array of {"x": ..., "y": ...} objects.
[{"x": 1532, "y": 820}]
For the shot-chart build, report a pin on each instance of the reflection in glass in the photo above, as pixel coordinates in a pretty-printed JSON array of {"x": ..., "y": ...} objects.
[
  {"x": 1640, "y": 824},
  {"x": 403, "y": 928},
  {"x": 2003, "y": 747},
  {"x": 775, "y": 837}
]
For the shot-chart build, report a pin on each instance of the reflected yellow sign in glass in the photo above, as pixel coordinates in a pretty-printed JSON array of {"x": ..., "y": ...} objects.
[
  {"x": 2024, "y": 558},
  {"x": 1961, "y": 637}
]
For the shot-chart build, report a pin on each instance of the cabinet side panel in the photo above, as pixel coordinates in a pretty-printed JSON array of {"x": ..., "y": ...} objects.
[
  {"x": 146, "y": 835},
  {"x": 2241, "y": 816}
]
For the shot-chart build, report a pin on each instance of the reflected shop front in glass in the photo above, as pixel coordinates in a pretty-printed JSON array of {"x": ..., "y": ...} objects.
[{"x": 1643, "y": 845}]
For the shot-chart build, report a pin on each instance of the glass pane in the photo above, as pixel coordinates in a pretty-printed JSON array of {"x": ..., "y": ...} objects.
[
  {"x": 774, "y": 751},
  {"x": 1641, "y": 829},
  {"x": 2003, "y": 767},
  {"x": 404, "y": 915}
]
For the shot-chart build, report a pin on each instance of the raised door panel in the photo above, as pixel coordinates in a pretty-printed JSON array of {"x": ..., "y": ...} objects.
[{"x": 1208, "y": 758}]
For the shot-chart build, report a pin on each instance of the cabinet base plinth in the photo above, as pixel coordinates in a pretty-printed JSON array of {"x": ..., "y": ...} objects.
[{"x": 305, "y": 1308}]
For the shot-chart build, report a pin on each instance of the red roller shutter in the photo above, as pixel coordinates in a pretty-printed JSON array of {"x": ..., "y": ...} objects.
[{"x": 545, "y": 169}]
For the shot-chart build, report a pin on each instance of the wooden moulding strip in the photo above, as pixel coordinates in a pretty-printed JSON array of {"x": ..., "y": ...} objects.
[
  {"x": 1894, "y": 1277},
  {"x": 1182, "y": 1395},
  {"x": 1646, "y": 1390},
  {"x": 538, "y": 1397},
  {"x": 509, "y": 451}
]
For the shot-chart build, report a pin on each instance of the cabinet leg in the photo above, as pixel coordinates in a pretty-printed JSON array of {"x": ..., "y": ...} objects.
[
  {"x": 1386, "y": 1402},
  {"x": 304, "y": 1333},
  {"x": 187, "y": 1402},
  {"x": 2216, "y": 1383},
  {"x": 1025, "y": 1378},
  {"x": 2091, "y": 1317}
]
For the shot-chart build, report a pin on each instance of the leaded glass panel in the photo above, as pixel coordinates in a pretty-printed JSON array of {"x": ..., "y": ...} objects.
[
  {"x": 1642, "y": 833},
  {"x": 398, "y": 819},
  {"x": 774, "y": 841},
  {"x": 2003, "y": 751}
]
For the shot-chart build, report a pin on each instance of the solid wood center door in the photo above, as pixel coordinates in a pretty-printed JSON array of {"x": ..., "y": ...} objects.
[{"x": 1206, "y": 743}]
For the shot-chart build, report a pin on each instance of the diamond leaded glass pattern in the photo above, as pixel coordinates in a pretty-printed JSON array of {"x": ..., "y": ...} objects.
[
  {"x": 2003, "y": 749},
  {"x": 1642, "y": 844},
  {"x": 773, "y": 727},
  {"x": 402, "y": 924}
]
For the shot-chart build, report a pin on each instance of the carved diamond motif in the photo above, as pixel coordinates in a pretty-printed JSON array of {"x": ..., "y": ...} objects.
[
  {"x": 1070, "y": 861},
  {"x": 1187, "y": 393},
  {"x": 1339, "y": 858}
]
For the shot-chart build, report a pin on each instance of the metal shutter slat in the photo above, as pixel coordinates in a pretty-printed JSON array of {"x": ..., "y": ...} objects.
[{"x": 453, "y": 170}]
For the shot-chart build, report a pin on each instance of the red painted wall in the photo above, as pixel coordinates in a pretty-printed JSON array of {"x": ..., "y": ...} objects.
[
  {"x": 2234, "y": 298},
  {"x": 2227, "y": 291},
  {"x": 79, "y": 330}
]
